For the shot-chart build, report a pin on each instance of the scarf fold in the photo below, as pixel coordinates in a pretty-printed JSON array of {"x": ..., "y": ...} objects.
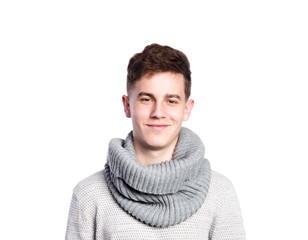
[{"x": 163, "y": 194}]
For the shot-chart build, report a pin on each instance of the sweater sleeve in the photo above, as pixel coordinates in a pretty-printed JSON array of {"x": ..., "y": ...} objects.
[
  {"x": 79, "y": 226},
  {"x": 228, "y": 222}
]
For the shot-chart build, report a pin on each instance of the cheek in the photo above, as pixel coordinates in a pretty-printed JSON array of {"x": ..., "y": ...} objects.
[
  {"x": 177, "y": 114},
  {"x": 140, "y": 112}
]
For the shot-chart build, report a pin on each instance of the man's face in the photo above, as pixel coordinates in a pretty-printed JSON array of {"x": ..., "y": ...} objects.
[{"x": 157, "y": 106}]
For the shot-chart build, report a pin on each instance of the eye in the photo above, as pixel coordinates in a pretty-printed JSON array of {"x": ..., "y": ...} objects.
[
  {"x": 171, "y": 101},
  {"x": 146, "y": 100}
]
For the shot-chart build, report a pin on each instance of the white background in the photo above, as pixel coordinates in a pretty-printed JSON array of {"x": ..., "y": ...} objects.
[{"x": 63, "y": 71}]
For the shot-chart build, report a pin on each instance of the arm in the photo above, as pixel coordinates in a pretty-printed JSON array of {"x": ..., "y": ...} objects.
[
  {"x": 79, "y": 227},
  {"x": 228, "y": 222}
]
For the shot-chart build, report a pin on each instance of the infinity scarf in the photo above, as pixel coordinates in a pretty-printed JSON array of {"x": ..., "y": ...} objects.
[{"x": 163, "y": 194}]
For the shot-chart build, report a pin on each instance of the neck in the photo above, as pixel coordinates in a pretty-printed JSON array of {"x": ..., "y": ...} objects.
[{"x": 146, "y": 156}]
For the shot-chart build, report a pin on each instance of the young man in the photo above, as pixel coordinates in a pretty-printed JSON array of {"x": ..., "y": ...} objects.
[{"x": 156, "y": 183}]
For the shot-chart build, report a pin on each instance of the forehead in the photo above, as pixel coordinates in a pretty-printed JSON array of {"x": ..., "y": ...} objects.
[{"x": 161, "y": 83}]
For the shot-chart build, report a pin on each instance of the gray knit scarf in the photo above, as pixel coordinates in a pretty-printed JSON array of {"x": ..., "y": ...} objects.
[{"x": 163, "y": 194}]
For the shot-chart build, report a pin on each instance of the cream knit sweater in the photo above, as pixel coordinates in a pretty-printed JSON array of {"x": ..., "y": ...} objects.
[{"x": 94, "y": 214}]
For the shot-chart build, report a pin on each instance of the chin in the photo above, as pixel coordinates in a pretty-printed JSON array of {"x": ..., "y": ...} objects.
[
  {"x": 156, "y": 146},
  {"x": 157, "y": 143}
]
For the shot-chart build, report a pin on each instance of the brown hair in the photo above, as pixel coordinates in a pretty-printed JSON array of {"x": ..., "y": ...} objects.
[{"x": 156, "y": 58}]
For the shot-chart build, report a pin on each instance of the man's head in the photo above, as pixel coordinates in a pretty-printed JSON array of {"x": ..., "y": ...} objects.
[
  {"x": 155, "y": 59},
  {"x": 158, "y": 101}
]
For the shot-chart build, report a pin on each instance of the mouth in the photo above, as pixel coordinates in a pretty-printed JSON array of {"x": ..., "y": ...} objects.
[{"x": 158, "y": 126}]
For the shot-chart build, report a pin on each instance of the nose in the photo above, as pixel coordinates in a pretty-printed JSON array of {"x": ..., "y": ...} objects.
[{"x": 158, "y": 111}]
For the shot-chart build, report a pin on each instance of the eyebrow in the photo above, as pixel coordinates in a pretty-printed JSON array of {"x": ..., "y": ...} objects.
[
  {"x": 173, "y": 96},
  {"x": 166, "y": 95},
  {"x": 141, "y": 94}
]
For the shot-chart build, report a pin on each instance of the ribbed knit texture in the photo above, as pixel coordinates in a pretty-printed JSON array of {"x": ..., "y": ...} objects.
[
  {"x": 164, "y": 194},
  {"x": 95, "y": 215}
]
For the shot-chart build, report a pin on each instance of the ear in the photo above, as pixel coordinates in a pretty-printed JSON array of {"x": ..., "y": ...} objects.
[
  {"x": 188, "y": 108},
  {"x": 125, "y": 102}
]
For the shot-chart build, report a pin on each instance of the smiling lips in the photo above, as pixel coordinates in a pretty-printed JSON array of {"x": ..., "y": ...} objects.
[{"x": 158, "y": 126}]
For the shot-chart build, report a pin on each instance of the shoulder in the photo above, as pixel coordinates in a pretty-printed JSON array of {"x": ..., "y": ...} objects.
[
  {"x": 220, "y": 182},
  {"x": 220, "y": 187},
  {"x": 91, "y": 188}
]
